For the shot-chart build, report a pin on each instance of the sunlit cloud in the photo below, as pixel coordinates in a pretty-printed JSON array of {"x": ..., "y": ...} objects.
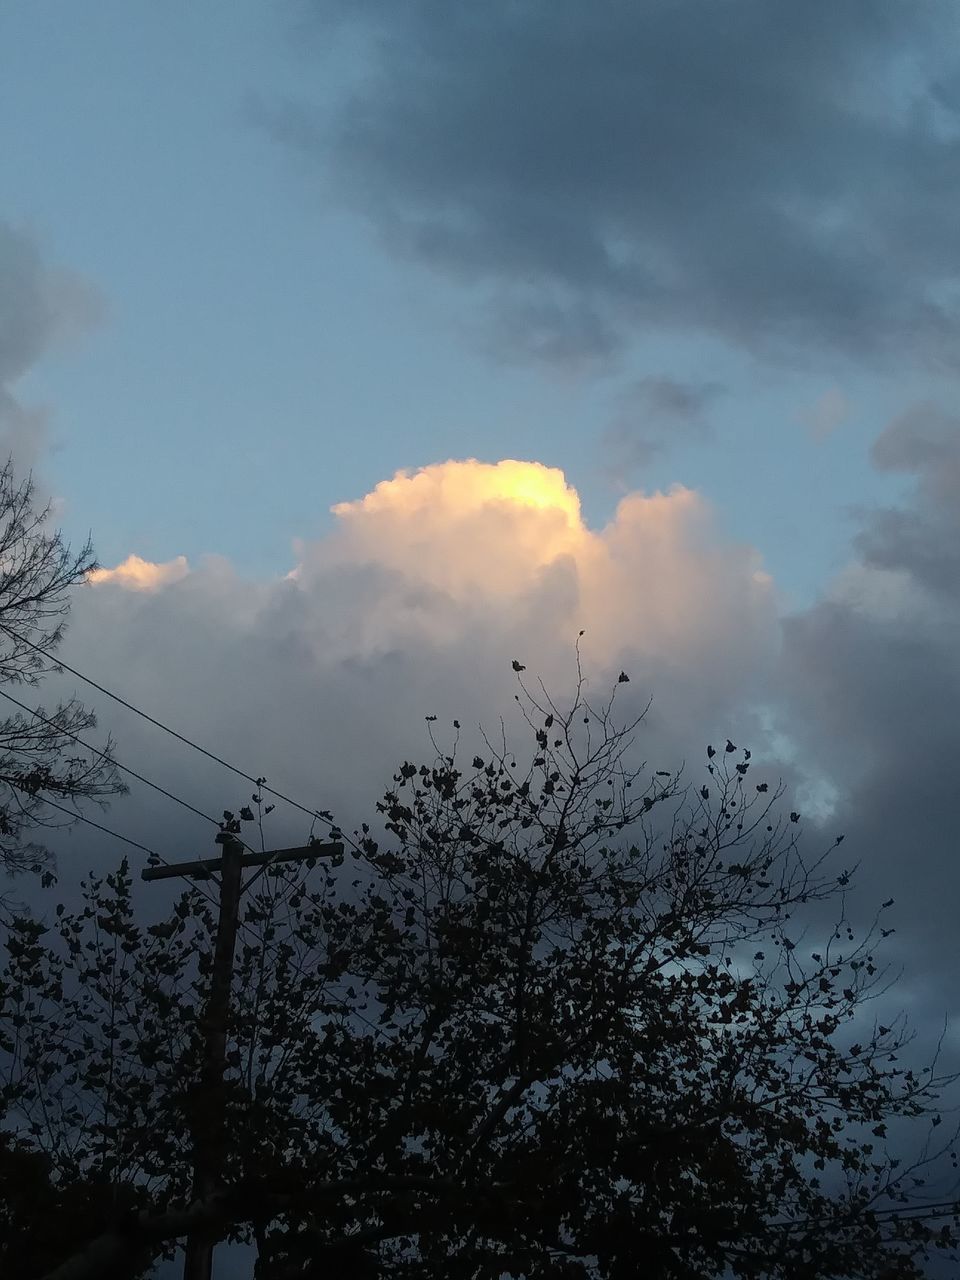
[
  {"x": 470, "y": 485},
  {"x": 510, "y": 535},
  {"x": 137, "y": 574},
  {"x": 416, "y": 602},
  {"x": 465, "y": 526},
  {"x": 445, "y": 554}
]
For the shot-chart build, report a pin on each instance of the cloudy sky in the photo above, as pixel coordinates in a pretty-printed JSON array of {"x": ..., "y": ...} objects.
[{"x": 379, "y": 344}]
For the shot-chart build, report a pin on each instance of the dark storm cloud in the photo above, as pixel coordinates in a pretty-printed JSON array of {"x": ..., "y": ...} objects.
[
  {"x": 872, "y": 686},
  {"x": 653, "y": 414},
  {"x": 923, "y": 540},
  {"x": 784, "y": 175}
]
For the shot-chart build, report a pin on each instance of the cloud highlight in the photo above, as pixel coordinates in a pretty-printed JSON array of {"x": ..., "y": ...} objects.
[{"x": 137, "y": 574}]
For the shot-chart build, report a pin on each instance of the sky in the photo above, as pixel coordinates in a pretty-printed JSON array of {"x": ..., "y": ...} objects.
[
  {"x": 286, "y": 241},
  {"x": 380, "y": 344}
]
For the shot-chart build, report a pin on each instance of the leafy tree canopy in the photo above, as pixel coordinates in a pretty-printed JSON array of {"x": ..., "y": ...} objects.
[{"x": 560, "y": 1020}]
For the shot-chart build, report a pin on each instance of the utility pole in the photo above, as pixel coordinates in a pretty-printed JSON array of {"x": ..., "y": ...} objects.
[{"x": 209, "y": 1121}]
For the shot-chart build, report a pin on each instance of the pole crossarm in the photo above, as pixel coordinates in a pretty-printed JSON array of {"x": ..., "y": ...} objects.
[
  {"x": 208, "y": 1128},
  {"x": 203, "y": 868}
]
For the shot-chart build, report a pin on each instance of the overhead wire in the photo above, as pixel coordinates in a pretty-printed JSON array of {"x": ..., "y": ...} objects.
[
  {"x": 260, "y": 783},
  {"x": 152, "y": 853},
  {"x": 103, "y": 754},
  {"x": 892, "y": 1213},
  {"x": 133, "y": 773},
  {"x": 106, "y": 755},
  {"x": 79, "y": 817}
]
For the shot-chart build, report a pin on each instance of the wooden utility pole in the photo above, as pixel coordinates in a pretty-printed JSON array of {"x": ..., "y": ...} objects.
[{"x": 209, "y": 1120}]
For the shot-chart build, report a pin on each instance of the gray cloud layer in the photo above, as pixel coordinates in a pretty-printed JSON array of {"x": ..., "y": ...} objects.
[
  {"x": 37, "y": 304},
  {"x": 923, "y": 540},
  {"x": 782, "y": 175},
  {"x": 653, "y": 413},
  {"x": 27, "y": 314},
  {"x": 871, "y": 678},
  {"x": 413, "y": 607},
  {"x": 26, "y": 323},
  {"x": 410, "y": 609}
]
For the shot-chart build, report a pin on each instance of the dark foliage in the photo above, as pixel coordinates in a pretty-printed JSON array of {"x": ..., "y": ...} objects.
[{"x": 560, "y": 1023}]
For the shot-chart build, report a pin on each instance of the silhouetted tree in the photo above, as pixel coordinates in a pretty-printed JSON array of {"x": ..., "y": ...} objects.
[
  {"x": 560, "y": 1022},
  {"x": 40, "y": 1213},
  {"x": 39, "y": 755}
]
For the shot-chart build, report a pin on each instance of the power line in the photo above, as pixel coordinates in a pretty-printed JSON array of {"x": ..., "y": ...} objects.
[
  {"x": 313, "y": 813},
  {"x": 105, "y": 755},
  {"x": 152, "y": 853},
  {"x": 120, "y": 765},
  {"x": 257, "y": 782},
  {"x": 78, "y": 817},
  {"x": 917, "y": 1212}
]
